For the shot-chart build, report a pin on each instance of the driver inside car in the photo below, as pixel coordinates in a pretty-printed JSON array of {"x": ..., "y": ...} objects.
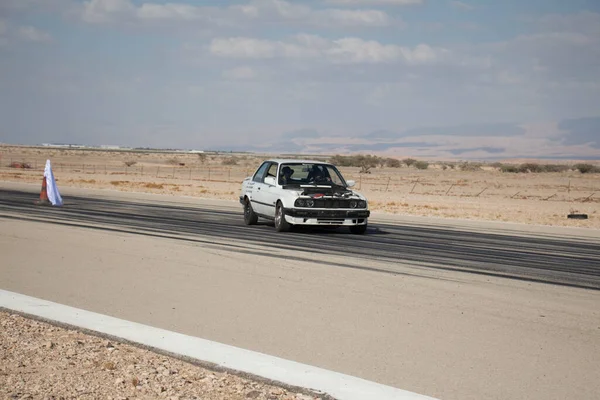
[
  {"x": 318, "y": 175},
  {"x": 286, "y": 175}
]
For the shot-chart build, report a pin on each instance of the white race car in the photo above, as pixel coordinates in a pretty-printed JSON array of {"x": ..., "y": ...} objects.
[{"x": 303, "y": 192}]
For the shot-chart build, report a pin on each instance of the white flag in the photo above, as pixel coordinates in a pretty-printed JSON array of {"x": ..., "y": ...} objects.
[{"x": 51, "y": 188}]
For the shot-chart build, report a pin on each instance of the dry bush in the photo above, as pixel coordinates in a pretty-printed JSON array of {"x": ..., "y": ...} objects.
[
  {"x": 409, "y": 161},
  {"x": 21, "y": 165},
  {"x": 365, "y": 162},
  {"x": 173, "y": 161},
  {"x": 587, "y": 168},
  {"x": 531, "y": 167},
  {"x": 130, "y": 163},
  {"x": 154, "y": 186},
  {"x": 509, "y": 168},
  {"x": 202, "y": 157},
  {"x": 233, "y": 160},
  {"x": 467, "y": 166},
  {"x": 421, "y": 165},
  {"x": 393, "y": 163},
  {"x": 556, "y": 168}
]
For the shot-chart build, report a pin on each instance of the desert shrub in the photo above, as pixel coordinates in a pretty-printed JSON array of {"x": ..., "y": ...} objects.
[
  {"x": 202, "y": 157},
  {"x": 509, "y": 168},
  {"x": 130, "y": 163},
  {"x": 497, "y": 165},
  {"x": 531, "y": 167},
  {"x": 409, "y": 161},
  {"x": 467, "y": 166},
  {"x": 173, "y": 161},
  {"x": 556, "y": 168},
  {"x": 230, "y": 161},
  {"x": 22, "y": 165},
  {"x": 421, "y": 165},
  {"x": 359, "y": 160},
  {"x": 587, "y": 168},
  {"x": 393, "y": 163},
  {"x": 444, "y": 166}
]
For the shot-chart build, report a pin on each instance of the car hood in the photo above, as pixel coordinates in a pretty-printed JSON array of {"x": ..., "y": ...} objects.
[{"x": 324, "y": 190}]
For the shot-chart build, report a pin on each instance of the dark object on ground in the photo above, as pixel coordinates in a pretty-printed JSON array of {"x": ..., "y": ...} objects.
[{"x": 577, "y": 216}]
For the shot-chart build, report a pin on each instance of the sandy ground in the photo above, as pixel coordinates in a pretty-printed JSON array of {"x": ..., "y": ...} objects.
[
  {"x": 487, "y": 194},
  {"x": 43, "y": 361},
  {"x": 445, "y": 334}
]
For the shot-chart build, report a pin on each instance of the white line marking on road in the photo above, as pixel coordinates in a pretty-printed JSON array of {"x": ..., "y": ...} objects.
[{"x": 338, "y": 385}]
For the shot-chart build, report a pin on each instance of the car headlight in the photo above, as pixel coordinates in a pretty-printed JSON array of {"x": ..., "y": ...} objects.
[
  {"x": 300, "y": 203},
  {"x": 310, "y": 203},
  {"x": 362, "y": 204},
  {"x": 353, "y": 204}
]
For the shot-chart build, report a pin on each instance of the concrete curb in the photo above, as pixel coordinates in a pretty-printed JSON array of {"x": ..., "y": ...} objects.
[{"x": 289, "y": 373}]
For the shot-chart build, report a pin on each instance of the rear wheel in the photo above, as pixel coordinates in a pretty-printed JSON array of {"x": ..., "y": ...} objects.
[
  {"x": 250, "y": 217},
  {"x": 358, "y": 229},
  {"x": 281, "y": 225}
]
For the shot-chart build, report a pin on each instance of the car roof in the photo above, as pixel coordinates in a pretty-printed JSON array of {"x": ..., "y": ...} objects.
[{"x": 294, "y": 161}]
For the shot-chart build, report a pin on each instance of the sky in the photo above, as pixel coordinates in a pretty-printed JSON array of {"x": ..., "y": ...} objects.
[{"x": 426, "y": 78}]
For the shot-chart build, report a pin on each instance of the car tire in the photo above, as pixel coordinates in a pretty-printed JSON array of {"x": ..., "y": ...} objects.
[
  {"x": 250, "y": 217},
  {"x": 358, "y": 229},
  {"x": 281, "y": 225}
]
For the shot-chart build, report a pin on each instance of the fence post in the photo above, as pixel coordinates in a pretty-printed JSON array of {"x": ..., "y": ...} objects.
[
  {"x": 481, "y": 192},
  {"x": 142, "y": 170},
  {"x": 157, "y": 169},
  {"x": 413, "y": 188},
  {"x": 190, "y": 178}
]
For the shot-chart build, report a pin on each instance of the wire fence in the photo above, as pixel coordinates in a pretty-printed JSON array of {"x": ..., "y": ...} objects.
[{"x": 388, "y": 181}]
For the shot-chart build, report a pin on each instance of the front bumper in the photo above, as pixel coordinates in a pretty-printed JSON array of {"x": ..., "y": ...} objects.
[{"x": 298, "y": 216}]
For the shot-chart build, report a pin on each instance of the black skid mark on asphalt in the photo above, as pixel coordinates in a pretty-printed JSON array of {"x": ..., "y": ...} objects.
[{"x": 549, "y": 260}]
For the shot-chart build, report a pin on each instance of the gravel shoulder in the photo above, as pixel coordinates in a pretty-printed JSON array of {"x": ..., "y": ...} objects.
[{"x": 42, "y": 361}]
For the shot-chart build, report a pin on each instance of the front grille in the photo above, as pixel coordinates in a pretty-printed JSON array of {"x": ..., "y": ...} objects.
[{"x": 332, "y": 203}]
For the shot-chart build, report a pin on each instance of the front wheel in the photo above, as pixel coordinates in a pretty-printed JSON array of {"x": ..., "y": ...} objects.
[
  {"x": 281, "y": 225},
  {"x": 250, "y": 217},
  {"x": 358, "y": 229}
]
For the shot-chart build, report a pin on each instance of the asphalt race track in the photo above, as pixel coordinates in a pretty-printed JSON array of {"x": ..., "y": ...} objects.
[{"x": 533, "y": 258}]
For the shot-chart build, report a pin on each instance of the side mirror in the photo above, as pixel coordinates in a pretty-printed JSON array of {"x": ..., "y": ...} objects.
[
  {"x": 270, "y": 180},
  {"x": 350, "y": 183}
]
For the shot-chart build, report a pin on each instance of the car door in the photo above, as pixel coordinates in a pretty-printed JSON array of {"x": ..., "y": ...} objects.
[
  {"x": 254, "y": 188},
  {"x": 270, "y": 193}
]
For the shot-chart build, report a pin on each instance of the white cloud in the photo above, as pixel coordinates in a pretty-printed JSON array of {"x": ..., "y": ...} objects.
[
  {"x": 266, "y": 11},
  {"x": 168, "y": 11},
  {"x": 376, "y": 2},
  {"x": 461, "y": 5},
  {"x": 344, "y": 50},
  {"x": 33, "y": 35},
  {"x": 239, "y": 73},
  {"x": 351, "y": 18},
  {"x": 98, "y": 11}
]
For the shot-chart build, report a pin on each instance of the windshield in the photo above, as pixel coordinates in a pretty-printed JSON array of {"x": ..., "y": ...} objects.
[{"x": 309, "y": 174}]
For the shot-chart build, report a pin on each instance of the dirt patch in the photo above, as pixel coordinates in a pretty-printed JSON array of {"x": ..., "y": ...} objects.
[{"x": 42, "y": 361}]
